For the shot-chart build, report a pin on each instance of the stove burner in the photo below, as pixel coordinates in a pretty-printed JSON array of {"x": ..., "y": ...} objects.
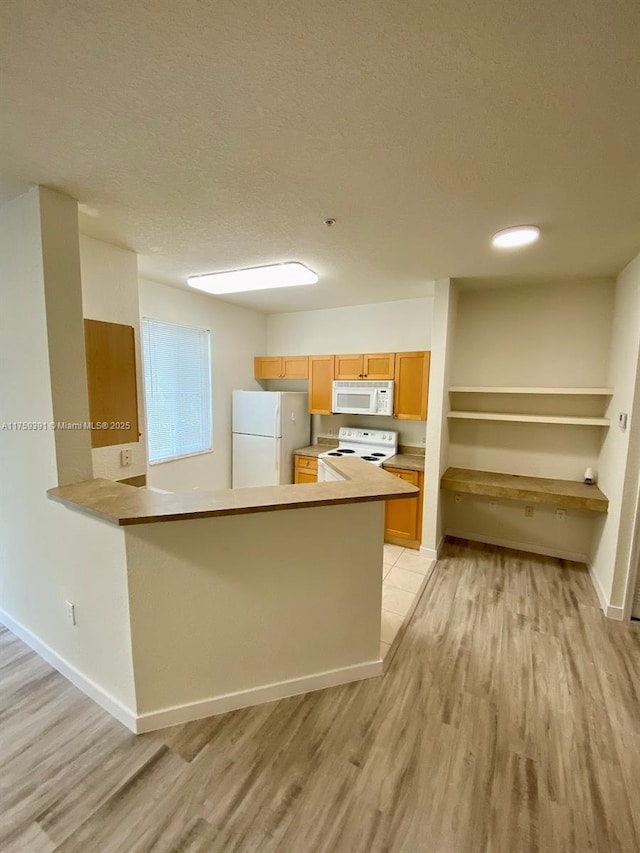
[
  {"x": 333, "y": 453},
  {"x": 346, "y": 450},
  {"x": 378, "y": 454},
  {"x": 370, "y": 458}
]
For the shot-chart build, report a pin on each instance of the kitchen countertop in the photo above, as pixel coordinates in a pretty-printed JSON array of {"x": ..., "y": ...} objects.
[
  {"x": 408, "y": 461},
  {"x": 124, "y": 505},
  {"x": 314, "y": 449}
]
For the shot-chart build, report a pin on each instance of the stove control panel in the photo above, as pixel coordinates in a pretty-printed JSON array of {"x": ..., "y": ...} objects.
[{"x": 380, "y": 437}]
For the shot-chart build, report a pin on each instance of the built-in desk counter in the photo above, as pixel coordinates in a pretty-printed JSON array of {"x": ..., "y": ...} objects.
[{"x": 565, "y": 494}]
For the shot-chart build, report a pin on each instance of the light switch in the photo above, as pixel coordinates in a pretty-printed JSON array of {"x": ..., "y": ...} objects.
[{"x": 622, "y": 420}]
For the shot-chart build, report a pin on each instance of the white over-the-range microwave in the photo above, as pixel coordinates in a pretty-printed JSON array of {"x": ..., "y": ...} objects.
[{"x": 362, "y": 397}]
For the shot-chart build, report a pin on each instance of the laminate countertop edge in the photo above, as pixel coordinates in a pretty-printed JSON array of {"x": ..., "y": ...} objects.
[
  {"x": 566, "y": 494},
  {"x": 125, "y": 505}
]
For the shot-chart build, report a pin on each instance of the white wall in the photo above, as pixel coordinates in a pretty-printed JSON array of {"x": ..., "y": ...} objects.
[
  {"x": 38, "y": 573},
  {"x": 437, "y": 450},
  {"x": 380, "y": 327},
  {"x": 399, "y": 326},
  {"x": 237, "y": 335},
  {"x": 548, "y": 335},
  {"x": 556, "y": 334},
  {"x": 110, "y": 293},
  {"x": 619, "y": 466},
  {"x": 239, "y": 603}
]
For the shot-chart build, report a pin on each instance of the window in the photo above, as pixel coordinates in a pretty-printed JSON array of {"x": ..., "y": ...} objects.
[{"x": 177, "y": 387}]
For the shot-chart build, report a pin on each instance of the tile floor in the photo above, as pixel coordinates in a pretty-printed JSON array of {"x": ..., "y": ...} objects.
[{"x": 404, "y": 574}]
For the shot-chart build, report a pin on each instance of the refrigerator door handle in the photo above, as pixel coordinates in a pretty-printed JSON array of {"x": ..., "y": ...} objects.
[{"x": 276, "y": 445}]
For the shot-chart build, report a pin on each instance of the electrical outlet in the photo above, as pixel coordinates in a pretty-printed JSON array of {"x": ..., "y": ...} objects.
[
  {"x": 493, "y": 506},
  {"x": 622, "y": 420},
  {"x": 125, "y": 457},
  {"x": 561, "y": 514},
  {"x": 457, "y": 499},
  {"x": 70, "y": 610},
  {"x": 528, "y": 512}
]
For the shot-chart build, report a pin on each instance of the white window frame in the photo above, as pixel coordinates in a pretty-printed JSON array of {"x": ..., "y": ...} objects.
[{"x": 203, "y": 450}]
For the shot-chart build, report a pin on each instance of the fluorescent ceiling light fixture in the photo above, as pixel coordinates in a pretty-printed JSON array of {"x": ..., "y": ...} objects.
[
  {"x": 512, "y": 238},
  {"x": 291, "y": 274}
]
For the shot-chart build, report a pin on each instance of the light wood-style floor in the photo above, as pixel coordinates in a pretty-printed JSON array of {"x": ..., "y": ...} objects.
[{"x": 508, "y": 721}]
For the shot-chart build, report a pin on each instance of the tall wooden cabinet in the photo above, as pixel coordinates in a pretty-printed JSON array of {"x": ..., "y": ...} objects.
[
  {"x": 412, "y": 385},
  {"x": 112, "y": 384},
  {"x": 321, "y": 371}
]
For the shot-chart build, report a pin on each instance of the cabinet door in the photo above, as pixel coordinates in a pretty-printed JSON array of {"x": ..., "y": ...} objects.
[
  {"x": 306, "y": 469},
  {"x": 403, "y": 517},
  {"x": 379, "y": 365},
  {"x": 320, "y": 384},
  {"x": 267, "y": 367},
  {"x": 295, "y": 366},
  {"x": 111, "y": 379},
  {"x": 412, "y": 385},
  {"x": 348, "y": 367}
]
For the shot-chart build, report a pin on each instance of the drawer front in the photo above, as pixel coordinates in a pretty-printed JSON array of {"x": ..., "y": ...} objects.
[
  {"x": 309, "y": 463},
  {"x": 412, "y": 477}
]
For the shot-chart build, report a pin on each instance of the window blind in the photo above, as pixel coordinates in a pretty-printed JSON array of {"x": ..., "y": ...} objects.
[{"x": 177, "y": 385}]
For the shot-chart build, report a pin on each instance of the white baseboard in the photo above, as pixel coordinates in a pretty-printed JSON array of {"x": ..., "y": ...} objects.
[
  {"x": 616, "y": 613},
  {"x": 575, "y": 556},
  {"x": 110, "y": 704},
  {"x": 140, "y": 723},
  {"x": 431, "y": 553},
  {"x": 609, "y": 610},
  {"x": 255, "y": 696}
]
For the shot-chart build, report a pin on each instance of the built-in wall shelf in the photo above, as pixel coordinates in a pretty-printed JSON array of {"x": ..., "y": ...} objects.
[
  {"x": 530, "y": 419},
  {"x": 503, "y": 389},
  {"x": 565, "y": 494}
]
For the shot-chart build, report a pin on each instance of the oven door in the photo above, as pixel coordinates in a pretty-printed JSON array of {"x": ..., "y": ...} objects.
[{"x": 354, "y": 401}]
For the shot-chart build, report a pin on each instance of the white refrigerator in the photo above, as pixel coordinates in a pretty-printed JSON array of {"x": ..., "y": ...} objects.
[{"x": 267, "y": 427}]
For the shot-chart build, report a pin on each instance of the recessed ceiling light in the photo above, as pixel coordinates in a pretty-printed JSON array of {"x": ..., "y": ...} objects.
[
  {"x": 291, "y": 274},
  {"x": 512, "y": 238}
]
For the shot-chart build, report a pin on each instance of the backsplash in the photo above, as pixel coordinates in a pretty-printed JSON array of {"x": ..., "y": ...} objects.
[{"x": 409, "y": 432}]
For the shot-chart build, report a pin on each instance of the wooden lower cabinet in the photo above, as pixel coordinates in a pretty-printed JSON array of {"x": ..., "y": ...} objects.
[
  {"x": 305, "y": 469},
  {"x": 403, "y": 518}
]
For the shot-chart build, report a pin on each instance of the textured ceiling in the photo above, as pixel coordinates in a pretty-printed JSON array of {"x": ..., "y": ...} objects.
[{"x": 214, "y": 135}]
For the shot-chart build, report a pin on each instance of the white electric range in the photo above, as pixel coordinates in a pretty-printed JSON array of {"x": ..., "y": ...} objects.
[{"x": 373, "y": 445}]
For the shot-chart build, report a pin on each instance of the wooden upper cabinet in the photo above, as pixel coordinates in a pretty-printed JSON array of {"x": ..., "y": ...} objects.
[
  {"x": 367, "y": 366},
  {"x": 412, "y": 385},
  {"x": 348, "y": 367},
  {"x": 321, "y": 370},
  {"x": 281, "y": 367},
  {"x": 267, "y": 367},
  {"x": 112, "y": 384},
  {"x": 379, "y": 365},
  {"x": 295, "y": 367}
]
